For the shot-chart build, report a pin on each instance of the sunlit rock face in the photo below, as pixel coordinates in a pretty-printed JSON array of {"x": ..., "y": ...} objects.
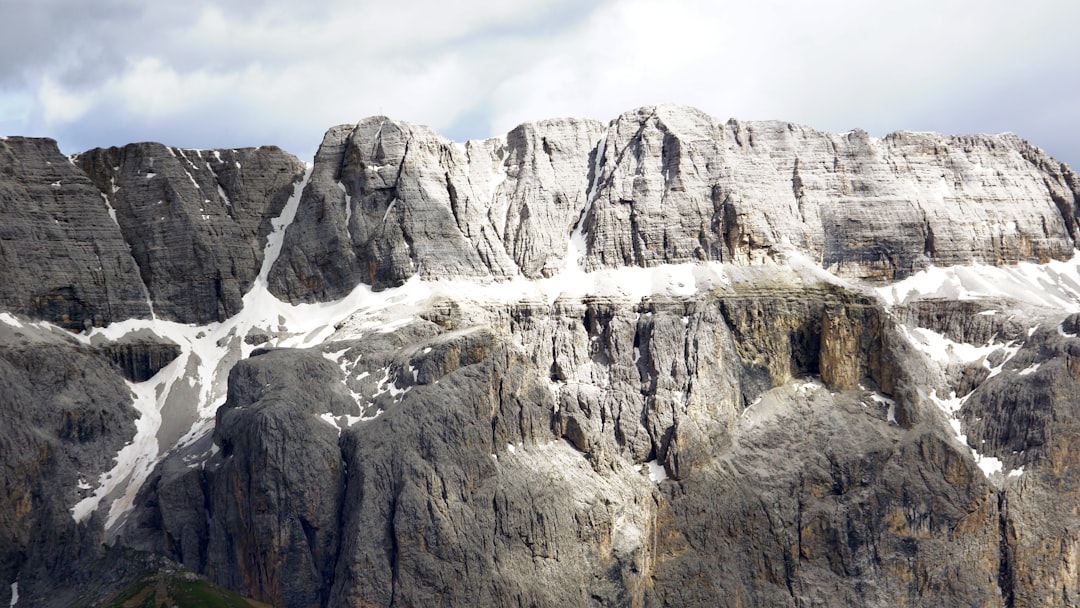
[
  {"x": 665, "y": 185},
  {"x": 664, "y": 361}
]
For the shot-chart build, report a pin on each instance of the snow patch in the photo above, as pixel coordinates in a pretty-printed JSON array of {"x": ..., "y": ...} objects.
[
  {"x": 807, "y": 387},
  {"x": 657, "y": 472},
  {"x": 15, "y": 585},
  {"x": 989, "y": 465},
  {"x": 136, "y": 459},
  {"x": 1054, "y": 285},
  {"x": 348, "y": 210},
  {"x": 1030, "y": 369},
  {"x": 577, "y": 248},
  {"x": 943, "y": 350},
  {"x": 9, "y": 319}
]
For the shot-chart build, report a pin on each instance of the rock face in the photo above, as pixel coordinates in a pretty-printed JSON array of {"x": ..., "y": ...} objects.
[
  {"x": 389, "y": 200},
  {"x": 668, "y": 361},
  {"x": 62, "y": 258},
  {"x": 691, "y": 188},
  {"x": 666, "y": 184},
  {"x": 196, "y": 220},
  {"x": 66, "y": 412}
]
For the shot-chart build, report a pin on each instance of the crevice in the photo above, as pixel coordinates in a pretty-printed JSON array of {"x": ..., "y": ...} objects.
[
  {"x": 798, "y": 189},
  {"x": 929, "y": 245},
  {"x": 1006, "y": 576},
  {"x": 455, "y": 205},
  {"x": 397, "y": 181},
  {"x": 395, "y": 562}
]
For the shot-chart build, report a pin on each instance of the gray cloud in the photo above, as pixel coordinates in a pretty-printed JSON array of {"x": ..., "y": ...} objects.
[{"x": 247, "y": 72}]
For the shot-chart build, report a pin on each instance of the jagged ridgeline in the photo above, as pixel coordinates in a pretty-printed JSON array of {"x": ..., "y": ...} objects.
[{"x": 666, "y": 361}]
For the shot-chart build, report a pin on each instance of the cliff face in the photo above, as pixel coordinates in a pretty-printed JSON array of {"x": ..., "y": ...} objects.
[
  {"x": 665, "y": 361},
  {"x": 196, "y": 220},
  {"x": 667, "y": 185}
]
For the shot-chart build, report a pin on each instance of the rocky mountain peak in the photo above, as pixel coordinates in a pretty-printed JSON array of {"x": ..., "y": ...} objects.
[{"x": 666, "y": 360}]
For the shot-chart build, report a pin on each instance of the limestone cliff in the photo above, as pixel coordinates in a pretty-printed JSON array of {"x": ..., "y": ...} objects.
[{"x": 665, "y": 361}]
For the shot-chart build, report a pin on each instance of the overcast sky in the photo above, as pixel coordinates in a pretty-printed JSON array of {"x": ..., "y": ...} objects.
[{"x": 205, "y": 73}]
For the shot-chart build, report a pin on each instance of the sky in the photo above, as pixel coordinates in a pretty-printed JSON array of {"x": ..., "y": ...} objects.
[{"x": 223, "y": 74}]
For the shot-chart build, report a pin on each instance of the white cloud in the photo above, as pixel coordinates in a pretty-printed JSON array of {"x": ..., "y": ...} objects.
[{"x": 58, "y": 105}]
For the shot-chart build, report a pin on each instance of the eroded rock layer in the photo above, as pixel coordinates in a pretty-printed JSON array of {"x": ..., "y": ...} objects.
[{"x": 668, "y": 361}]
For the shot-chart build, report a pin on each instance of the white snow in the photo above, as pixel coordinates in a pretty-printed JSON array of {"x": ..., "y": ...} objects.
[
  {"x": 151, "y": 175},
  {"x": 208, "y": 352},
  {"x": 10, "y": 319},
  {"x": 657, "y": 472},
  {"x": 943, "y": 350},
  {"x": 1016, "y": 472},
  {"x": 14, "y": 591},
  {"x": 1054, "y": 285},
  {"x": 510, "y": 448},
  {"x": 989, "y": 465},
  {"x": 348, "y": 210},
  {"x": 136, "y": 459},
  {"x": 577, "y": 247},
  {"x": 1063, "y": 333},
  {"x": 1031, "y": 369}
]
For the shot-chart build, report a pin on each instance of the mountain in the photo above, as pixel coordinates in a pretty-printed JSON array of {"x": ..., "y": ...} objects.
[{"x": 663, "y": 361}]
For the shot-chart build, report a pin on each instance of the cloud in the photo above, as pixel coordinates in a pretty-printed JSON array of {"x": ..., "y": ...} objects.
[{"x": 250, "y": 72}]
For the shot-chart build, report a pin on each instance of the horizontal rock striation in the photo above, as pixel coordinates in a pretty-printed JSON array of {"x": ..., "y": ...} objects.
[
  {"x": 389, "y": 200},
  {"x": 676, "y": 185},
  {"x": 196, "y": 220},
  {"x": 781, "y": 429},
  {"x": 666, "y": 184},
  {"x": 62, "y": 258}
]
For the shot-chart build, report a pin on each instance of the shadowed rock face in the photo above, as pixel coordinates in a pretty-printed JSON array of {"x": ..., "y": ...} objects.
[
  {"x": 62, "y": 258},
  {"x": 65, "y": 413},
  {"x": 196, "y": 220},
  {"x": 769, "y": 431}
]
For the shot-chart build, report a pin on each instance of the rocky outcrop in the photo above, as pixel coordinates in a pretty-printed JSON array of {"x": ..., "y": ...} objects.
[
  {"x": 389, "y": 200},
  {"x": 140, "y": 359},
  {"x": 666, "y": 184},
  {"x": 196, "y": 220},
  {"x": 62, "y": 258},
  {"x": 675, "y": 186},
  {"x": 65, "y": 413}
]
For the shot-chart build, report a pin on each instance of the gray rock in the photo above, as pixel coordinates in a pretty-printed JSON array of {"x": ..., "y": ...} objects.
[
  {"x": 666, "y": 184},
  {"x": 139, "y": 360},
  {"x": 776, "y": 439},
  {"x": 389, "y": 200},
  {"x": 676, "y": 185},
  {"x": 62, "y": 258},
  {"x": 196, "y": 220},
  {"x": 65, "y": 411}
]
